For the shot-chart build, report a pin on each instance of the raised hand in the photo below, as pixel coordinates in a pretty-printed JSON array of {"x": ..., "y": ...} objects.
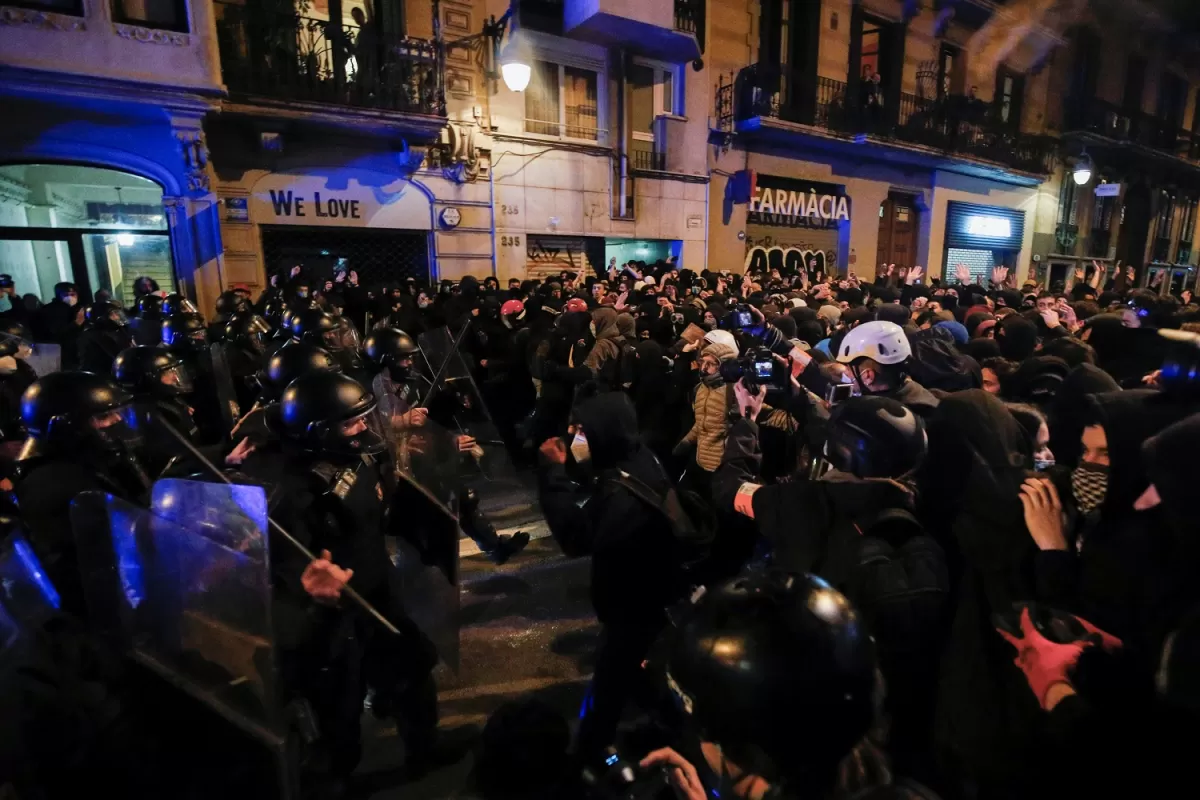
[
  {"x": 914, "y": 275},
  {"x": 962, "y": 273},
  {"x": 999, "y": 275}
]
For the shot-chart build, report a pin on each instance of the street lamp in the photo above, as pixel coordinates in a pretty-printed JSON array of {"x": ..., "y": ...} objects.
[
  {"x": 515, "y": 69},
  {"x": 1083, "y": 170}
]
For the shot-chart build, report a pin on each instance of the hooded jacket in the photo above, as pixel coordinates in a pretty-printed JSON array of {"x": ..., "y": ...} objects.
[
  {"x": 987, "y": 721},
  {"x": 1129, "y": 570},
  {"x": 605, "y": 357},
  {"x": 631, "y": 545}
]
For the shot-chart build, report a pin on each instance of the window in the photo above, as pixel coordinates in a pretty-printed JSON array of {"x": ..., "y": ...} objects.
[
  {"x": 1187, "y": 233},
  {"x": 168, "y": 15},
  {"x": 72, "y": 7},
  {"x": 652, "y": 93},
  {"x": 1103, "y": 211},
  {"x": 562, "y": 101},
  {"x": 949, "y": 72},
  {"x": 1010, "y": 90},
  {"x": 1066, "y": 229},
  {"x": 1162, "y": 227}
]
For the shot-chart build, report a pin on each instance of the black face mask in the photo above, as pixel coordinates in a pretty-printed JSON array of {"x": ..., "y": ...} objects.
[{"x": 399, "y": 373}]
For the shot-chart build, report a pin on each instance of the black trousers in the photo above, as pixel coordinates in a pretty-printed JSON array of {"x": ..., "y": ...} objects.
[{"x": 618, "y": 679}]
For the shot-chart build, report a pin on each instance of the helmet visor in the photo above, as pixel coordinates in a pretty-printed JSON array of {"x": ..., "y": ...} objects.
[
  {"x": 116, "y": 428},
  {"x": 365, "y": 434},
  {"x": 177, "y": 378}
]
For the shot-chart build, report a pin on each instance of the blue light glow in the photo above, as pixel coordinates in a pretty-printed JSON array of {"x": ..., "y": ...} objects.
[{"x": 33, "y": 568}]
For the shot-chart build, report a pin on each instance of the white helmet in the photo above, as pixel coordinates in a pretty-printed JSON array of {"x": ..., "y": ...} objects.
[
  {"x": 881, "y": 341},
  {"x": 722, "y": 337}
]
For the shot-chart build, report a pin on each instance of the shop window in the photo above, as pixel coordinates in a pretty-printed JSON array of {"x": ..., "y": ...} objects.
[
  {"x": 167, "y": 15},
  {"x": 1162, "y": 228},
  {"x": 73, "y": 8},
  {"x": 380, "y": 257},
  {"x": 979, "y": 262},
  {"x": 563, "y": 101},
  {"x": 97, "y": 228}
]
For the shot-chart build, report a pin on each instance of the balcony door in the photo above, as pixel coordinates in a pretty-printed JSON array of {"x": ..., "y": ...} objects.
[
  {"x": 789, "y": 40},
  {"x": 876, "y": 70}
]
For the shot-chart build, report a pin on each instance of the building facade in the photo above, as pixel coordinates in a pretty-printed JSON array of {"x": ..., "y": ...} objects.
[{"x": 211, "y": 144}]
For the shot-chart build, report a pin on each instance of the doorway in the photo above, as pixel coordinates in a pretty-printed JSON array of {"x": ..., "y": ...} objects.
[
  {"x": 99, "y": 229},
  {"x": 899, "y": 224}
]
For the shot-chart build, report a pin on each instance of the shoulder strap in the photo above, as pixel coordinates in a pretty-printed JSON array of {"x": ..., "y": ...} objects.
[{"x": 884, "y": 524}]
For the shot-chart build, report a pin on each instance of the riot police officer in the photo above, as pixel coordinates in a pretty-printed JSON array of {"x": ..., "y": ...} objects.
[
  {"x": 15, "y": 377},
  {"x": 175, "y": 303},
  {"x": 331, "y": 470},
  {"x": 333, "y": 333},
  {"x": 260, "y": 424},
  {"x": 161, "y": 386},
  {"x": 82, "y": 435},
  {"x": 106, "y": 332},
  {"x": 213, "y": 401},
  {"x": 147, "y": 327},
  {"x": 244, "y": 341},
  {"x": 390, "y": 352},
  {"x": 229, "y": 304}
]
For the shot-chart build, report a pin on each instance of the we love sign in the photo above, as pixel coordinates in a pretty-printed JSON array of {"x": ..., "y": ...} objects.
[{"x": 361, "y": 199}]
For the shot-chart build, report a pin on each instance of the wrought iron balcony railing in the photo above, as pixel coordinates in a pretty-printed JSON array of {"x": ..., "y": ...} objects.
[
  {"x": 1108, "y": 119},
  {"x": 647, "y": 160},
  {"x": 956, "y": 125},
  {"x": 689, "y": 18},
  {"x": 270, "y": 51}
]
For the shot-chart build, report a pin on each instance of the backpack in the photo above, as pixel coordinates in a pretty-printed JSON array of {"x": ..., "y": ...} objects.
[
  {"x": 692, "y": 521},
  {"x": 898, "y": 579},
  {"x": 628, "y": 369}
]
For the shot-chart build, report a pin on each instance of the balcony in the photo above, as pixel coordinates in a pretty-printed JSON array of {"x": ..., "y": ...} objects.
[
  {"x": 671, "y": 30},
  {"x": 955, "y": 126},
  {"x": 1104, "y": 119},
  {"x": 273, "y": 57}
]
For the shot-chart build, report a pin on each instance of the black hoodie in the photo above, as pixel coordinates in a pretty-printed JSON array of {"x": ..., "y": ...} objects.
[{"x": 634, "y": 575}]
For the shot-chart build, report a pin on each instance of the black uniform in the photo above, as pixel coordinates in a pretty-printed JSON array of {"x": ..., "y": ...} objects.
[{"x": 332, "y": 497}]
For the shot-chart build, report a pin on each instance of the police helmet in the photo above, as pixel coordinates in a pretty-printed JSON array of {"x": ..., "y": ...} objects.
[
  {"x": 151, "y": 370},
  {"x": 230, "y": 303},
  {"x": 386, "y": 346},
  {"x": 150, "y": 306},
  {"x": 106, "y": 316},
  {"x": 328, "y": 413},
  {"x": 874, "y": 437},
  {"x": 175, "y": 303},
  {"x": 65, "y": 409},
  {"x": 290, "y": 362},
  {"x": 778, "y": 669},
  {"x": 273, "y": 312},
  {"x": 318, "y": 327},
  {"x": 248, "y": 330},
  {"x": 184, "y": 331},
  {"x": 15, "y": 339},
  {"x": 1181, "y": 365}
]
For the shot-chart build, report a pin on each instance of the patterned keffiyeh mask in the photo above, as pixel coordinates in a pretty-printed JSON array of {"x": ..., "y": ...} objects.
[{"x": 1089, "y": 484}]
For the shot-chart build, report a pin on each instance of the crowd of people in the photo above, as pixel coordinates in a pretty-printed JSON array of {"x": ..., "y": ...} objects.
[{"x": 886, "y": 537}]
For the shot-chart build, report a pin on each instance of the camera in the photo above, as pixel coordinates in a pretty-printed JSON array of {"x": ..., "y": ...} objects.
[
  {"x": 739, "y": 317},
  {"x": 840, "y": 391},
  {"x": 617, "y": 778},
  {"x": 756, "y": 367}
]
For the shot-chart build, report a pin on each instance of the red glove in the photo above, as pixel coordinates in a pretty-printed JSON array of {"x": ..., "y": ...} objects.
[{"x": 1046, "y": 663}]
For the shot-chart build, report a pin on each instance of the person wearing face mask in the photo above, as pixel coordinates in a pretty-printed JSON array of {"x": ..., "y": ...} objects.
[
  {"x": 1100, "y": 554},
  {"x": 878, "y": 353},
  {"x": 702, "y": 446},
  {"x": 635, "y": 570},
  {"x": 59, "y": 321},
  {"x": 1033, "y": 422},
  {"x": 11, "y": 307}
]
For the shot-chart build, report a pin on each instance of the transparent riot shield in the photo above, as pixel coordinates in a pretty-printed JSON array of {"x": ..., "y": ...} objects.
[
  {"x": 456, "y": 402},
  {"x": 43, "y": 357},
  {"x": 27, "y": 597},
  {"x": 185, "y": 590},
  {"x": 424, "y": 518}
]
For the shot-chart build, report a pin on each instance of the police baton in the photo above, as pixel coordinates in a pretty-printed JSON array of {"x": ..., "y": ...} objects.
[{"x": 275, "y": 526}]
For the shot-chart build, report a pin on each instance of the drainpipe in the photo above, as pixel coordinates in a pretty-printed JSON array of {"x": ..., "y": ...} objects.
[{"x": 620, "y": 130}]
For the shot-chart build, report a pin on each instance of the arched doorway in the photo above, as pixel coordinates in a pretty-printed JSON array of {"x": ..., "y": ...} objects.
[{"x": 100, "y": 229}]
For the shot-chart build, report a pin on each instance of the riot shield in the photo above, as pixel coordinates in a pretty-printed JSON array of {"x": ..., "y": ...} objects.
[
  {"x": 222, "y": 378},
  {"x": 186, "y": 591},
  {"x": 45, "y": 358},
  {"x": 27, "y": 597},
  {"x": 424, "y": 519},
  {"x": 456, "y": 402}
]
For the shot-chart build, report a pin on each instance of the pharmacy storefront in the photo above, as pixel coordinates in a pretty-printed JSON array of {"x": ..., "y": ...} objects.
[{"x": 792, "y": 223}]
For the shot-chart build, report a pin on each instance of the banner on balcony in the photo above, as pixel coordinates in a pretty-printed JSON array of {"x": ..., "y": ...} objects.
[
  {"x": 793, "y": 224},
  {"x": 360, "y": 200}
]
